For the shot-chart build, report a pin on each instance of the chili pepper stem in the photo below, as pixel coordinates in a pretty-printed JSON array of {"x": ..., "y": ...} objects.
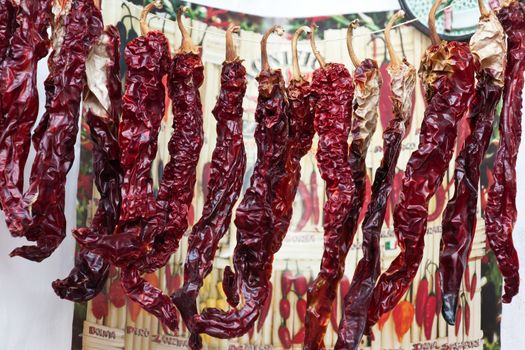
[
  {"x": 483, "y": 9},
  {"x": 264, "y": 53},
  {"x": 316, "y": 52},
  {"x": 187, "y": 44},
  {"x": 394, "y": 60},
  {"x": 144, "y": 29},
  {"x": 296, "y": 72},
  {"x": 349, "y": 37},
  {"x": 434, "y": 36},
  {"x": 231, "y": 54}
]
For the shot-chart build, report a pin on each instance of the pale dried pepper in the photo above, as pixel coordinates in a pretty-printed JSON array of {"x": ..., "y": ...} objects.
[
  {"x": 101, "y": 109},
  {"x": 357, "y": 300},
  {"x": 489, "y": 47},
  {"x": 228, "y": 165},
  {"x": 501, "y": 213},
  {"x": 332, "y": 93},
  {"x": 39, "y": 213},
  {"x": 447, "y": 70}
]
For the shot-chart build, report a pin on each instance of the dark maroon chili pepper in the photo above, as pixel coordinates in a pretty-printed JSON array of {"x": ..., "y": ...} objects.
[
  {"x": 356, "y": 301},
  {"x": 40, "y": 215},
  {"x": 332, "y": 90},
  {"x": 448, "y": 71},
  {"x": 101, "y": 109},
  {"x": 227, "y": 169},
  {"x": 459, "y": 219},
  {"x": 22, "y": 30},
  {"x": 323, "y": 292},
  {"x": 501, "y": 213},
  {"x": 253, "y": 254}
]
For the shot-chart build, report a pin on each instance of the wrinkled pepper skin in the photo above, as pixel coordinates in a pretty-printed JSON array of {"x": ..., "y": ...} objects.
[
  {"x": 179, "y": 176},
  {"x": 459, "y": 218},
  {"x": 148, "y": 59},
  {"x": 447, "y": 71},
  {"x": 24, "y": 41},
  {"x": 501, "y": 213},
  {"x": 357, "y": 300},
  {"x": 332, "y": 93},
  {"x": 101, "y": 109},
  {"x": 228, "y": 165},
  {"x": 253, "y": 254},
  {"x": 41, "y": 218}
]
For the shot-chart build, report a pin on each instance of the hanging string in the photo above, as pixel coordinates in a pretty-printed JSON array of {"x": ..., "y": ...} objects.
[{"x": 207, "y": 32}]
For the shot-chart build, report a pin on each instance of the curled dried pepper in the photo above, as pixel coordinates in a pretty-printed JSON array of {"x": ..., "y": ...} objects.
[
  {"x": 501, "y": 212},
  {"x": 227, "y": 169},
  {"x": 447, "y": 70},
  {"x": 39, "y": 214},
  {"x": 101, "y": 109},
  {"x": 332, "y": 90},
  {"x": 24, "y": 40},
  {"x": 253, "y": 254},
  {"x": 357, "y": 300},
  {"x": 459, "y": 219}
]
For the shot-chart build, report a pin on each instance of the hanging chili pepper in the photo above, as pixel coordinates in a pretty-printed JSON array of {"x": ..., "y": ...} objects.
[
  {"x": 39, "y": 213},
  {"x": 102, "y": 109},
  {"x": 448, "y": 71},
  {"x": 23, "y": 42},
  {"x": 332, "y": 90},
  {"x": 459, "y": 219},
  {"x": 357, "y": 300},
  {"x": 143, "y": 107},
  {"x": 253, "y": 254},
  {"x": 501, "y": 212},
  {"x": 225, "y": 183}
]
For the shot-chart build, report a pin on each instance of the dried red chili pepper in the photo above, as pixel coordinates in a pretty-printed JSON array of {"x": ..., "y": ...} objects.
[
  {"x": 448, "y": 71},
  {"x": 501, "y": 213},
  {"x": 253, "y": 254},
  {"x": 23, "y": 42},
  {"x": 357, "y": 300},
  {"x": 338, "y": 240},
  {"x": 225, "y": 183},
  {"x": 459, "y": 219},
  {"x": 101, "y": 109},
  {"x": 266, "y": 309},
  {"x": 39, "y": 213}
]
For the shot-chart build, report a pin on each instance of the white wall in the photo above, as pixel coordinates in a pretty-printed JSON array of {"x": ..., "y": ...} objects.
[{"x": 32, "y": 317}]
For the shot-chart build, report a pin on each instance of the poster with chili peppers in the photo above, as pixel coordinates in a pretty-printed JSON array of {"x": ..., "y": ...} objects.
[{"x": 112, "y": 320}]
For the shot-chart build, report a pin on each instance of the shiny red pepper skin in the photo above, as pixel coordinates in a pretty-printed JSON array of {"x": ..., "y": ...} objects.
[
  {"x": 332, "y": 90},
  {"x": 102, "y": 112},
  {"x": 24, "y": 31},
  {"x": 253, "y": 254},
  {"x": 40, "y": 215},
  {"x": 359, "y": 295},
  {"x": 459, "y": 217},
  {"x": 501, "y": 213},
  {"x": 227, "y": 169},
  {"x": 449, "y": 91}
]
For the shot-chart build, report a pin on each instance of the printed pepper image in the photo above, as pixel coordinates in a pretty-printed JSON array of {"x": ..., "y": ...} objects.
[
  {"x": 227, "y": 169},
  {"x": 39, "y": 213},
  {"x": 253, "y": 253},
  {"x": 447, "y": 70},
  {"x": 23, "y": 43},
  {"x": 459, "y": 219},
  {"x": 102, "y": 108},
  {"x": 501, "y": 213},
  {"x": 359, "y": 295},
  {"x": 332, "y": 90}
]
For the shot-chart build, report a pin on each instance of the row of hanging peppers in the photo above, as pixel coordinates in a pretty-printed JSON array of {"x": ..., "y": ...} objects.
[{"x": 138, "y": 231}]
